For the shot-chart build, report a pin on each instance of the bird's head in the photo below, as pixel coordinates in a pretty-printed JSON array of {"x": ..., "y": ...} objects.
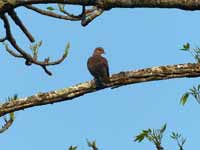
[{"x": 99, "y": 51}]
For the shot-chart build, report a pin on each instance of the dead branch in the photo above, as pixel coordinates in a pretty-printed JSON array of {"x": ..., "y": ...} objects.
[{"x": 116, "y": 80}]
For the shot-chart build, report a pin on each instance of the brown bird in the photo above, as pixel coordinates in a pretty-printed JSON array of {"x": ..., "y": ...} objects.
[{"x": 98, "y": 67}]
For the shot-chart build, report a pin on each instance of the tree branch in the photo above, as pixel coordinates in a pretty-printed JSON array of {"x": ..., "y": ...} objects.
[
  {"x": 179, "y": 4},
  {"x": 51, "y": 14},
  {"x": 18, "y": 22},
  {"x": 3, "y": 39},
  {"x": 29, "y": 59},
  {"x": 90, "y": 15},
  {"x": 116, "y": 80},
  {"x": 11, "y": 52},
  {"x": 7, "y": 123}
]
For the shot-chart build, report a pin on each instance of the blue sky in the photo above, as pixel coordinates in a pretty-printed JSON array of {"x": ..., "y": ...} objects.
[{"x": 133, "y": 39}]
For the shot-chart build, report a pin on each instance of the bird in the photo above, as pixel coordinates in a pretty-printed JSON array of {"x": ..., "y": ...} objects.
[{"x": 98, "y": 67}]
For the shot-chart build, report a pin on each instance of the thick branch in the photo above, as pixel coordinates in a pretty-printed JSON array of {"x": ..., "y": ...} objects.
[
  {"x": 180, "y": 4},
  {"x": 116, "y": 80}
]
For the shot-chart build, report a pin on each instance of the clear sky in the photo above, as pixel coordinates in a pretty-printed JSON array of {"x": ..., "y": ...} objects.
[{"x": 133, "y": 39}]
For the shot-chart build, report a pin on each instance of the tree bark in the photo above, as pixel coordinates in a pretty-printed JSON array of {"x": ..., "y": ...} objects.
[
  {"x": 116, "y": 80},
  {"x": 180, "y": 4}
]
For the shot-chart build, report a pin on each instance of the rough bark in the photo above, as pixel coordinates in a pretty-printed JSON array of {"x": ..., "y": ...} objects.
[
  {"x": 116, "y": 80},
  {"x": 180, "y": 4}
]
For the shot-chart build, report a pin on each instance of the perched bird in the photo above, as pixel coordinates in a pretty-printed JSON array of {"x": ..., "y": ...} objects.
[{"x": 98, "y": 67}]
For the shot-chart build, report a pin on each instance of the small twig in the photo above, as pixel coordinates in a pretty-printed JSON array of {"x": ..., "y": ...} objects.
[
  {"x": 46, "y": 70},
  {"x": 3, "y": 39},
  {"x": 51, "y": 14},
  {"x": 10, "y": 51},
  {"x": 72, "y": 15},
  {"x": 158, "y": 146},
  {"x": 18, "y": 22},
  {"x": 56, "y": 62},
  {"x": 7, "y": 123}
]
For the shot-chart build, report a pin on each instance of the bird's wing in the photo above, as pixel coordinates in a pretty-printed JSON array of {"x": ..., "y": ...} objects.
[
  {"x": 105, "y": 65},
  {"x": 92, "y": 65},
  {"x": 103, "y": 70},
  {"x": 98, "y": 67}
]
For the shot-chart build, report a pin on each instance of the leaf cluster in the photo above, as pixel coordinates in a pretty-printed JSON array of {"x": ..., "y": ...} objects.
[
  {"x": 72, "y": 148},
  {"x": 34, "y": 48},
  {"x": 91, "y": 144},
  {"x": 179, "y": 139},
  {"x": 195, "y": 52},
  {"x": 194, "y": 91},
  {"x": 153, "y": 135}
]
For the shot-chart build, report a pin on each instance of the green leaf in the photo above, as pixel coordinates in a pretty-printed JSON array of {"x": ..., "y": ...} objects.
[
  {"x": 50, "y": 8},
  {"x": 34, "y": 48},
  {"x": 139, "y": 138},
  {"x": 72, "y": 148},
  {"x": 12, "y": 116},
  {"x": 192, "y": 90},
  {"x": 198, "y": 87},
  {"x": 150, "y": 138},
  {"x": 186, "y": 47},
  {"x": 145, "y": 132},
  {"x": 61, "y": 7},
  {"x": 92, "y": 144},
  {"x": 184, "y": 98},
  {"x": 39, "y": 43},
  {"x": 67, "y": 49},
  {"x": 173, "y": 136},
  {"x": 163, "y": 128},
  {"x": 15, "y": 97}
]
